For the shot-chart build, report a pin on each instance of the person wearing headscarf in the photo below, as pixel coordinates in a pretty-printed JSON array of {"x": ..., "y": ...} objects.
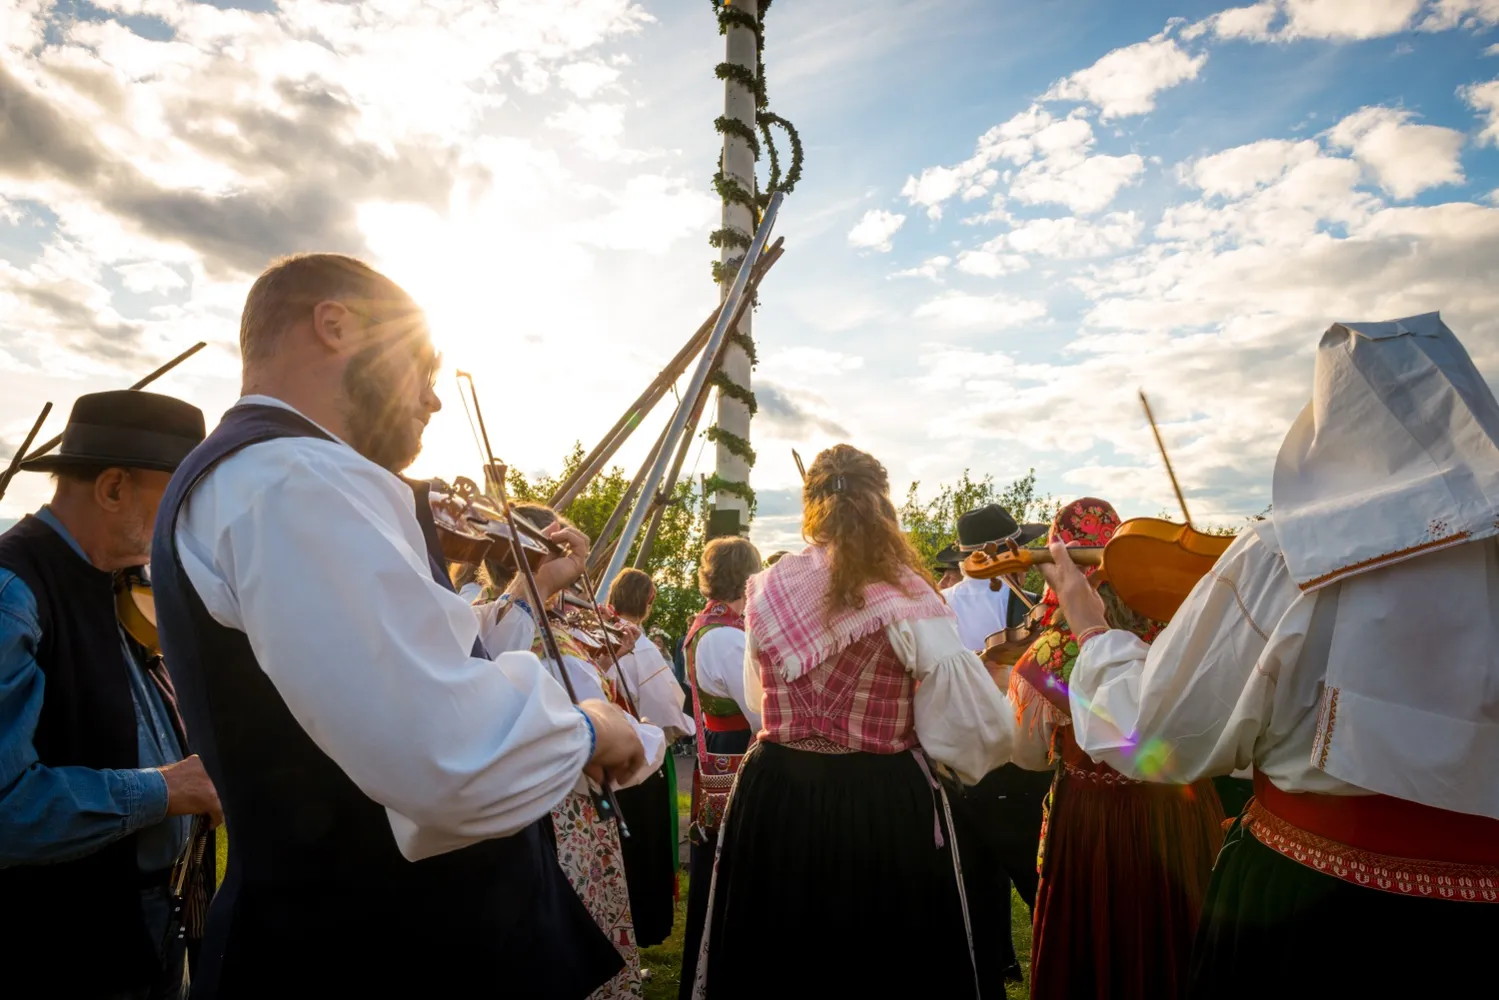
[
  {"x": 836, "y": 872},
  {"x": 1124, "y": 863},
  {"x": 1345, "y": 648}
]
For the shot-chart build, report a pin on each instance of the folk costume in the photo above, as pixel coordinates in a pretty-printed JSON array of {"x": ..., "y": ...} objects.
[
  {"x": 836, "y": 824},
  {"x": 1124, "y": 863},
  {"x": 651, "y": 852},
  {"x": 387, "y": 786},
  {"x": 87, "y": 716},
  {"x": 999, "y": 819},
  {"x": 588, "y": 848},
  {"x": 1345, "y": 647},
  {"x": 714, "y": 654}
]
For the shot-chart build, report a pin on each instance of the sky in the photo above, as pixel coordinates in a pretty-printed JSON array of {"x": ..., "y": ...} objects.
[{"x": 1015, "y": 215}]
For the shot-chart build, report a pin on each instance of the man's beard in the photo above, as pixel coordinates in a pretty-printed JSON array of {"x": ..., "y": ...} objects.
[{"x": 381, "y": 427}]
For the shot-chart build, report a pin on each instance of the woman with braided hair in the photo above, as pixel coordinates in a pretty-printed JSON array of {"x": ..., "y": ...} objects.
[{"x": 836, "y": 826}]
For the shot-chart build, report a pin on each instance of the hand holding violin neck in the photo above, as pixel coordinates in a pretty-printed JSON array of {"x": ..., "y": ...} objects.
[{"x": 1080, "y": 603}]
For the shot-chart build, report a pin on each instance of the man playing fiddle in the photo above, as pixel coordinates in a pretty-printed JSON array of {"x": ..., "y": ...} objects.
[
  {"x": 385, "y": 783},
  {"x": 1345, "y": 648},
  {"x": 95, "y": 793}
]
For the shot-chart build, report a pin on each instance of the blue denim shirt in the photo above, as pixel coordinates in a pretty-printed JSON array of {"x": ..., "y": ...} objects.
[{"x": 51, "y": 814}]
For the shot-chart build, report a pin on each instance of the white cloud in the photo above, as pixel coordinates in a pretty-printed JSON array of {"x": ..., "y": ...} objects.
[
  {"x": 1492, "y": 50},
  {"x": 586, "y": 79},
  {"x": 1083, "y": 184},
  {"x": 873, "y": 231},
  {"x": 931, "y": 268},
  {"x": 960, "y": 311},
  {"x": 1071, "y": 238},
  {"x": 989, "y": 264},
  {"x": 1125, "y": 81},
  {"x": 150, "y": 276},
  {"x": 1348, "y": 19},
  {"x": 1244, "y": 22},
  {"x": 1470, "y": 14},
  {"x": 1238, "y": 171},
  {"x": 1405, "y": 159},
  {"x": 650, "y": 214},
  {"x": 1484, "y": 99},
  {"x": 933, "y": 187}
]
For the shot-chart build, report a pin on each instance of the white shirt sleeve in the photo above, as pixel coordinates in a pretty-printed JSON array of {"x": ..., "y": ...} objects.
[
  {"x": 316, "y": 555},
  {"x": 962, "y": 718},
  {"x": 1034, "y": 725},
  {"x": 587, "y": 684},
  {"x": 719, "y": 661},
  {"x": 655, "y": 689},
  {"x": 1194, "y": 703}
]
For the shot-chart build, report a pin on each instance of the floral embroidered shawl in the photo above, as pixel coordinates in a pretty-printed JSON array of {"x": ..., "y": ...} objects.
[{"x": 1046, "y": 667}]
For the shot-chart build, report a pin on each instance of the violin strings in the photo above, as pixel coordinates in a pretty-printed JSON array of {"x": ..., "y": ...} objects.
[{"x": 472, "y": 427}]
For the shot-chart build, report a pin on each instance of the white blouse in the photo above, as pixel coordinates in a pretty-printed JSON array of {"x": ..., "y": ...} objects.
[
  {"x": 718, "y": 663},
  {"x": 516, "y": 630},
  {"x": 962, "y": 718},
  {"x": 1234, "y": 681},
  {"x": 650, "y": 681}
]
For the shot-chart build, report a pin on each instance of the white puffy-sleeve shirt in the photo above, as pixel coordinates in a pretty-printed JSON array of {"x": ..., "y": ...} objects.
[
  {"x": 516, "y": 630},
  {"x": 315, "y": 554},
  {"x": 718, "y": 661},
  {"x": 1235, "y": 680},
  {"x": 655, "y": 689},
  {"x": 962, "y": 718}
]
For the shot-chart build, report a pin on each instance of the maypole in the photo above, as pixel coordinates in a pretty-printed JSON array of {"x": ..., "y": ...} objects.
[{"x": 744, "y": 121}]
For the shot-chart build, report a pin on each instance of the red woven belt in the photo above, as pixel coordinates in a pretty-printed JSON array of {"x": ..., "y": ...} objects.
[{"x": 725, "y": 723}]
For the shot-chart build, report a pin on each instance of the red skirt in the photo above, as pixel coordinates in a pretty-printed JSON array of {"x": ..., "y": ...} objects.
[{"x": 1125, "y": 865}]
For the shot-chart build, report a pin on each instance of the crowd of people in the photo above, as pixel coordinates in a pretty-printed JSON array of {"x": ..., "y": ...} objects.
[{"x": 437, "y": 782}]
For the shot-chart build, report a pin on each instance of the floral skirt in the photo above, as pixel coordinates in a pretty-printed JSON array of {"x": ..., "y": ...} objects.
[{"x": 590, "y": 856}]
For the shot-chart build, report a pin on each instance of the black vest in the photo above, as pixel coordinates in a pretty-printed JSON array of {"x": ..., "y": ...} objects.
[
  {"x": 89, "y": 907},
  {"x": 317, "y": 899}
]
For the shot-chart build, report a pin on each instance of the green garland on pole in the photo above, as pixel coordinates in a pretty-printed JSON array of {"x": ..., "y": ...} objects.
[{"x": 729, "y": 237}]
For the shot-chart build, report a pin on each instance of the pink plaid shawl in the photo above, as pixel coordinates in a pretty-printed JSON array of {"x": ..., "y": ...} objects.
[{"x": 785, "y": 612}]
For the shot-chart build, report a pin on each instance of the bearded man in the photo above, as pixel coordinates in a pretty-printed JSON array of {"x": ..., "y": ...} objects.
[
  {"x": 95, "y": 793},
  {"x": 385, "y": 784}
]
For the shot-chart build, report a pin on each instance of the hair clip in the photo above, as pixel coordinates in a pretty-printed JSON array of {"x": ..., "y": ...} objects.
[{"x": 839, "y": 484}]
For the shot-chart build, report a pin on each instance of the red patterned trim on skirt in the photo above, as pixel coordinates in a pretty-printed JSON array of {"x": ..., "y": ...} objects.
[
  {"x": 1402, "y": 876},
  {"x": 1108, "y": 777}
]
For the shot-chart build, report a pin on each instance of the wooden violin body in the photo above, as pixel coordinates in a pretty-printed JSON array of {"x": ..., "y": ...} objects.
[
  {"x": 472, "y": 530},
  {"x": 135, "y": 607},
  {"x": 1152, "y": 564},
  {"x": 1005, "y": 647}
]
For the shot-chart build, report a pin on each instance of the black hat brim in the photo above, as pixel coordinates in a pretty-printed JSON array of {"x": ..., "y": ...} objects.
[{"x": 60, "y": 463}]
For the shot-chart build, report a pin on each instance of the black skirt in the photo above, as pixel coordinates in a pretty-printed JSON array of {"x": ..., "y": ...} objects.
[
  {"x": 1272, "y": 927},
  {"x": 830, "y": 883},
  {"x": 650, "y": 869},
  {"x": 704, "y": 844}
]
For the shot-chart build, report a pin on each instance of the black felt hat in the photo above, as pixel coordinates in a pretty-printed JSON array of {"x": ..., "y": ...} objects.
[
  {"x": 126, "y": 429},
  {"x": 992, "y": 523},
  {"x": 949, "y": 558}
]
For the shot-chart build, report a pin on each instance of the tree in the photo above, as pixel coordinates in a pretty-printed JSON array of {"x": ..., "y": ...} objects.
[
  {"x": 933, "y": 525},
  {"x": 677, "y": 549}
]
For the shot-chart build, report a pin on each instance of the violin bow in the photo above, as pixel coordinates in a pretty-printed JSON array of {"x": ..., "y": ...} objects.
[
  {"x": 593, "y": 602},
  {"x": 20, "y": 455},
  {"x": 799, "y": 466},
  {"x": 1180, "y": 499},
  {"x": 603, "y": 799}
]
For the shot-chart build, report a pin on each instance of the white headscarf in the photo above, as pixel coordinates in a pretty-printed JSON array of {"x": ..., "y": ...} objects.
[{"x": 1388, "y": 486}]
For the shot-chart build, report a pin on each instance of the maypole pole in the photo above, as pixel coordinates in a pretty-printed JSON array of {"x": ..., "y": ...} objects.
[{"x": 744, "y": 122}]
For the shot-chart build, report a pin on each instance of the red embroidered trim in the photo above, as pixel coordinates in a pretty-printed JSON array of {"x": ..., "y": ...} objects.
[
  {"x": 1109, "y": 777},
  {"x": 1387, "y": 557},
  {"x": 1401, "y": 876}
]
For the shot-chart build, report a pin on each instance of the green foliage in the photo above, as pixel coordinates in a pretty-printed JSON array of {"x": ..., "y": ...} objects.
[
  {"x": 678, "y": 545},
  {"x": 933, "y": 525}
]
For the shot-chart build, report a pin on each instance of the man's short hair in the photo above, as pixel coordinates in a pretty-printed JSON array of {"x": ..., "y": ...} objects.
[
  {"x": 630, "y": 593},
  {"x": 727, "y": 565},
  {"x": 288, "y": 290}
]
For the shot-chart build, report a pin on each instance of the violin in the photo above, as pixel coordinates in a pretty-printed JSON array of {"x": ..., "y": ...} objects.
[
  {"x": 1005, "y": 647},
  {"x": 135, "y": 606},
  {"x": 472, "y": 529},
  {"x": 1152, "y": 564}
]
